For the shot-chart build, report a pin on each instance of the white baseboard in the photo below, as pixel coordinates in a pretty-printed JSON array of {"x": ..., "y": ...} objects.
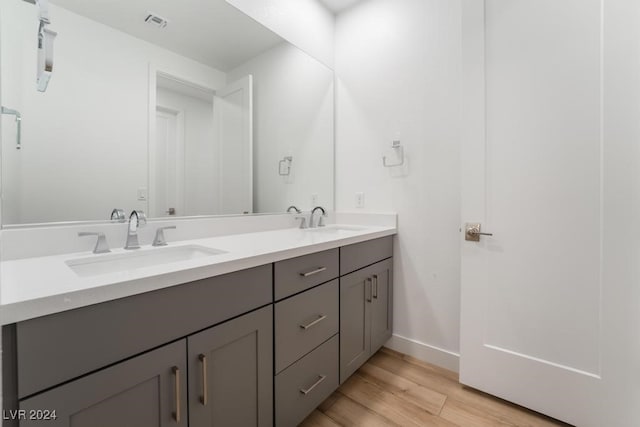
[{"x": 425, "y": 352}]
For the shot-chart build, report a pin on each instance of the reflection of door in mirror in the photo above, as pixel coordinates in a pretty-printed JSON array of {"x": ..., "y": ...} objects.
[
  {"x": 184, "y": 151},
  {"x": 234, "y": 121},
  {"x": 169, "y": 155}
]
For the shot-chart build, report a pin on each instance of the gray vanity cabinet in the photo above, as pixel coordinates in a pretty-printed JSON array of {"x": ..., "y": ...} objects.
[
  {"x": 231, "y": 373},
  {"x": 355, "y": 326},
  {"x": 149, "y": 390},
  {"x": 255, "y": 347},
  {"x": 365, "y": 314},
  {"x": 381, "y": 304}
]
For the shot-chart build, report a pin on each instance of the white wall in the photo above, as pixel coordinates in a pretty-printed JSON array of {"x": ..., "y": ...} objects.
[
  {"x": 293, "y": 116},
  {"x": 200, "y": 151},
  {"x": 66, "y": 133},
  {"x": 305, "y": 23},
  {"x": 398, "y": 75}
]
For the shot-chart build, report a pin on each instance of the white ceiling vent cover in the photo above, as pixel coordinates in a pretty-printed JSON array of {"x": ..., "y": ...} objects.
[{"x": 155, "y": 20}]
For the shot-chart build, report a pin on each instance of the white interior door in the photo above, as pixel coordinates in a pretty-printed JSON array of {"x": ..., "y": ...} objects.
[
  {"x": 531, "y": 325},
  {"x": 168, "y": 154},
  {"x": 233, "y": 111}
]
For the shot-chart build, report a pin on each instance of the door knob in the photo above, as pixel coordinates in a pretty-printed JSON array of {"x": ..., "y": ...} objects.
[{"x": 472, "y": 232}]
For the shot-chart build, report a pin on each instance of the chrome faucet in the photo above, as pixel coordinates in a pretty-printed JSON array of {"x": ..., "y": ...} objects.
[
  {"x": 136, "y": 219},
  {"x": 320, "y": 221},
  {"x": 295, "y": 209}
]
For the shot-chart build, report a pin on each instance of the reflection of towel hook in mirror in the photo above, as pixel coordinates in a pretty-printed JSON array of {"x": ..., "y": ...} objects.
[
  {"x": 399, "y": 150},
  {"x": 287, "y": 166},
  {"x": 9, "y": 111}
]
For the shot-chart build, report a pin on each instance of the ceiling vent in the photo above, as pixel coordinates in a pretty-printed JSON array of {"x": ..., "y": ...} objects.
[{"x": 155, "y": 20}]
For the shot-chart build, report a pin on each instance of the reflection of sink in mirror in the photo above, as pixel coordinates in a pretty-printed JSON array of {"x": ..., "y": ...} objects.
[
  {"x": 336, "y": 229},
  {"x": 105, "y": 264}
]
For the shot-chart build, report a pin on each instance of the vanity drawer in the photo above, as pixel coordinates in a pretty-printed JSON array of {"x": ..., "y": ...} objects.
[
  {"x": 359, "y": 255},
  {"x": 306, "y": 384},
  {"x": 297, "y": 274},
  {"x": 305, "y": 321},
  {"x": 56, "y": 348}
]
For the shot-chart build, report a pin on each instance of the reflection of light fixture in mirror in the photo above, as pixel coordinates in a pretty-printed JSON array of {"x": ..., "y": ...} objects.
[
  {"x": 16, "y": 113},
  {"x": 156, "y": 20},
  {"x": 285, "y": 165},
  {"x": 45, "y": 47}
]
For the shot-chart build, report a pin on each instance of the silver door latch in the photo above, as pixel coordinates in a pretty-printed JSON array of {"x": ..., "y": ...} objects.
[{"x": 472, "y": 232}]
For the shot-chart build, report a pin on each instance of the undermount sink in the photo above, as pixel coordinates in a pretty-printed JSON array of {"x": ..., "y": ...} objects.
[
  {"x": 335, "y": 229},
  {"x": 112, "y": 263}
]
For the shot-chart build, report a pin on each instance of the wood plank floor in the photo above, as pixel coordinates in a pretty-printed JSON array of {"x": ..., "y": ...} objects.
[{"x": 393, "y": 389}]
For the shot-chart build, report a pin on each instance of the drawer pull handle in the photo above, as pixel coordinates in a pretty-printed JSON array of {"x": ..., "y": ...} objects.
[
  {"x": 312, "y": 272},
  {"x": 315, "y": 322},
  {"x": 176, "y": 374},
  {"x": 368, "y": 290},
  {"x": 316, "y": 384},
  {"x": 205, "y": 391},
  {"x": 375, "y": 286}
]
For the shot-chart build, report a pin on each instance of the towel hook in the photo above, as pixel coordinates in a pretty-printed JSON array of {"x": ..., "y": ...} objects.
[
  {"x": 397, "y": 147},
  {"x": 287, "y": 164}
]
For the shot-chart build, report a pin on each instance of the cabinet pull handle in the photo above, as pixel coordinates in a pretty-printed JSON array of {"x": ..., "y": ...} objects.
[
  {"x": 375, "y": 286},
  {"x": 368, "y": 290},
  {"x": 315, "y": 322},
  {"x": 316, "y": 384},
  {"x": 312, "y": 272},
  {"x": 205, "y": 390},
  {"x": 176, "y": 374}
]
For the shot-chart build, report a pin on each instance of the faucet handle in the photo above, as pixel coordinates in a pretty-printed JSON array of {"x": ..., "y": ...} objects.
[
  {"x": 160, "y": 240},
  {"x": 102, "y": 247},
  {"x": 303, "y": 221}
]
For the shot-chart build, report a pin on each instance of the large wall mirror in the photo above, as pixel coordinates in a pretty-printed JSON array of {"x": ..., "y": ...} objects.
[{"x": 177, "y": 108}]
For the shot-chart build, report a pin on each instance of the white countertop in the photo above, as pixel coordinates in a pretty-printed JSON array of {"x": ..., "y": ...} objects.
[{"x": 34, "y": 287}]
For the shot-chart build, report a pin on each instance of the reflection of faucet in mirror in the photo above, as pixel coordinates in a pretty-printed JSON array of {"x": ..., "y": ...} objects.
[
  {"x": 320, "y": 221},
  {"x": 136, "y": 219},
  {"x": 118, "y": 215},
  {"x": 293, "y": 208}
]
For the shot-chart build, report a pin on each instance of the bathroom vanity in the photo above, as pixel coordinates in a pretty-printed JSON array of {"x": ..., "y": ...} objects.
[{"x": 259, "y": 346}]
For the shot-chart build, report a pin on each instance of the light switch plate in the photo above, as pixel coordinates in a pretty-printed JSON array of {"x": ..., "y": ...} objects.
[{"x": 142, "y": 194}]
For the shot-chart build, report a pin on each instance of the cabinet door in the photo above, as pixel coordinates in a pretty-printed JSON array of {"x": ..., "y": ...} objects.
[
  {"x": 231, "y": 372},
  {"x": 382, "y": 304},
  {"x": 146, "y": 391},
  {"x": 355, "y": 342}
]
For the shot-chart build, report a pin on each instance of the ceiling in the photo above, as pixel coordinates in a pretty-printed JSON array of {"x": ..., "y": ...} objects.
[
  {"x": 209, "y": 31},
  {"x": 337, "y": 6}
]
